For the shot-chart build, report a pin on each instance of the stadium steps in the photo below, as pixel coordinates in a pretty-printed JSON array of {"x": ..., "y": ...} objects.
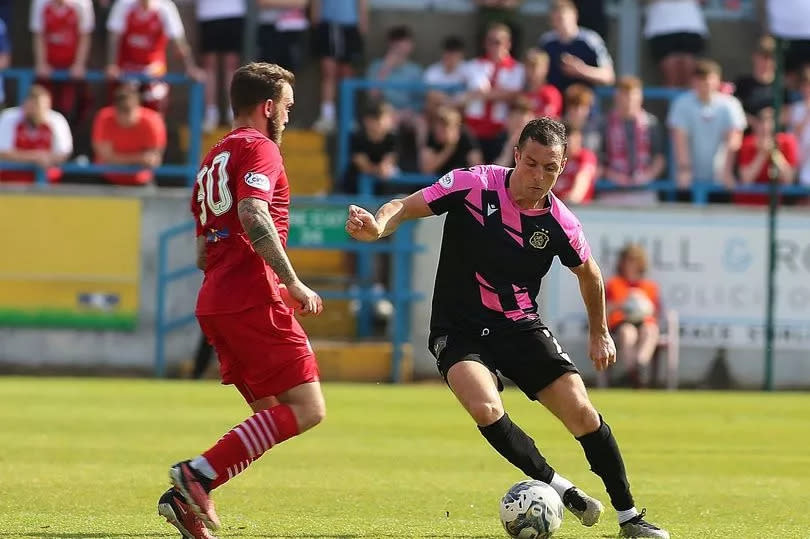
[{"x": 360, "y": 361}]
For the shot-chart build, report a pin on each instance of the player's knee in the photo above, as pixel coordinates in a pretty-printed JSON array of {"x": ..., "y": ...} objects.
[
  {"x": 583, "y": 419},
  {"x": 309, "y": 415},
  {"x": 485, "y": 413}
]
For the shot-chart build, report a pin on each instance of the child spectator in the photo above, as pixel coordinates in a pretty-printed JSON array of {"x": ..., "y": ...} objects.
[
  {"x": 128, "y": 134},
  {"x": 339, "y": 27},
  {"x": 755, "y": 91},
  {"x": 139, "y": 31},
  {"x": 633, "y": 306},
  {"x": 761, "y": 149},
  {"x": 449, "y": 71},
  {"x": 580, "y": 113},
  {"x": 61, "y": 40},
  {"x": 800, "y": 124},
  {"x": 634, "y": 145},
  {"x": 449, "y": 145},
  {"x": 706, "y": 128},
  {"x": 576, "y": 55},
  {"x": 520, "y": 113},
  {"x": 35, "y": 134},
  {"x": 576, "y": 183},
  {"x": 546, "y": 99},
  {"x": 495, "y": 80},
  {"x": 222, "y": 24},
  {"x": 396, "y": 66},
  {"x": 676, "y": 32},
  {"x": 373, "y": 147}
]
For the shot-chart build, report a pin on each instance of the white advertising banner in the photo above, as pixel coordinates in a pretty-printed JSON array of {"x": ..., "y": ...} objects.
[{"x": 711, "y": 266}]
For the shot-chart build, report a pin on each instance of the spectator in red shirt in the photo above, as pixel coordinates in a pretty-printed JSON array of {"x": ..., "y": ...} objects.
[
  {"x": 547, "y": 99},
  {"x": 129, "y": 134},
  {"x": 759, "y": 150},
  {"x": 35, "y": 134},
  {"x": 139, "y": 33},
  {"x": 494, "y": 81},
  {"x": 61, "y": 32},
  {"x": 576, "y": 183}
]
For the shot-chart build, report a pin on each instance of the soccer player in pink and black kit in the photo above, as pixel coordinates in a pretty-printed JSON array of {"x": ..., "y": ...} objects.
[
  {"x": 503, "y": 229},
  {"x": 241, "y": 205}
]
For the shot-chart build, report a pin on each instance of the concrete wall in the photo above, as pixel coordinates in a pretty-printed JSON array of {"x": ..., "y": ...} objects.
[{"x": 120, "y": 350}]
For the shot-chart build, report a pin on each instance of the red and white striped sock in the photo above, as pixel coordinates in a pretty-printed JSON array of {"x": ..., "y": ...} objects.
[{"x": 248, "y": 441}]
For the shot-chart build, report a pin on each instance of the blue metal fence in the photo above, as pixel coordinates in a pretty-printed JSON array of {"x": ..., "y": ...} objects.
[
  {"x": 24, "y": 78},
  {"x": 401, "y": 248}
]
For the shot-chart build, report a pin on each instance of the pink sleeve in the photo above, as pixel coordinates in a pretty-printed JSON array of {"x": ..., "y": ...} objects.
[
  {"x": 452, "y": 188},
  {"x": 578, "y": 250}
]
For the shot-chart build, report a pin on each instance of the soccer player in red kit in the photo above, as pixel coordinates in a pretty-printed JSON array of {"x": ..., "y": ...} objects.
[
  {"x": 241, "y": 205},
  {"x": 139, "y": 34}
]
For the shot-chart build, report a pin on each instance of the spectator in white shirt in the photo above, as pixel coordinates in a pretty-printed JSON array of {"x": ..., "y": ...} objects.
[
  {"x": 676, "y": 32},
  {"x": 800, "y": 125},
  {"x": 451, "y": 70}
]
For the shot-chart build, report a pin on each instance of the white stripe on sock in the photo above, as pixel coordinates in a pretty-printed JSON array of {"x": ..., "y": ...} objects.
[
  {"x": 245, "y": 442},
  {"x": 230, "y": 473},
  {"x": 257, "y": 428},
  {"x": 271, "y": 423},
  {"x": 560, "y": 484},
  {"x": 249, "y": 429},
  {"x": 266, "y": 429}
]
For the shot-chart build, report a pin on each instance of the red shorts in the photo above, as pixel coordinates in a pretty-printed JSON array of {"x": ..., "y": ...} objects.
[{"x": 263, "y": 350}]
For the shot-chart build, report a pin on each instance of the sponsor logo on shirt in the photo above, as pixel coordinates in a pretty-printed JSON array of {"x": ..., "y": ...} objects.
[
  {"x": 491, "y": 208},
  {"x": 446, "y": 181},
  {"x": 539, "y": 239},
  {"x": 259, "y": 181}
]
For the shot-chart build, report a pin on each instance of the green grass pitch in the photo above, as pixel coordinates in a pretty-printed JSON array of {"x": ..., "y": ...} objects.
[{"x": 88, "y": 458}]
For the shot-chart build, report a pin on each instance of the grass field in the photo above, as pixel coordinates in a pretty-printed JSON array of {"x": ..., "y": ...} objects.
[{"x": 88, "y": 458}]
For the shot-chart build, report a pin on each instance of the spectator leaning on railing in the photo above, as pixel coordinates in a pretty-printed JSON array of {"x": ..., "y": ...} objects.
[
  {"x": 575, "y": 54},
  {"x": 373, "y": 147},
  {"x": 634, "y": 146},
  {"x": 62, "y": 30},
  {"x": 706, "y": 127},
  {"x": 761, "y": 149},
  {"x": 128, "y": 134},
  {"x": 35, "y": 134},
  {"x": 494, "y": 81},
  {"x": 139, "y": 31},
  {"x": 449, "y": 144}
]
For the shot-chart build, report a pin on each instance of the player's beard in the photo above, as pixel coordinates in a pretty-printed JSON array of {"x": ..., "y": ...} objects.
[{"x": 275, "y": 128}]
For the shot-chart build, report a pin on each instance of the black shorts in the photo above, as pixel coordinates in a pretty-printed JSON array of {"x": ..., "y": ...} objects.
[
  {"x": 532, "y": 358},
  {"x": 222, "y": 35},
  {"x": 679, "y": 42},
  {"x": 797, "y": 54},
  {"x": 283, "y": 48},
  {"x": 343, "y": 43}
]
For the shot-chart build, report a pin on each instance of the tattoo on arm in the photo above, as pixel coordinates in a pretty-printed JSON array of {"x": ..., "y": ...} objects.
[{"x": 256, "y": 220}]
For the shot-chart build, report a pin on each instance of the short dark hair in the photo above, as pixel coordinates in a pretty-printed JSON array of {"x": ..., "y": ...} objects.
[
  {"x": 544, "y": 131},
  {"x": 453, "y": 44},
  {"x": 376, "y": 109},
  {"x": 399, "y": 33},
  {"x": 257, "y": 82}
]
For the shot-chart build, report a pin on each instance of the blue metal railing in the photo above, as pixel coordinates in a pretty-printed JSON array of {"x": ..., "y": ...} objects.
[
  {"x": 401, "y": 249},
  {"x": 26, "y": 77}
]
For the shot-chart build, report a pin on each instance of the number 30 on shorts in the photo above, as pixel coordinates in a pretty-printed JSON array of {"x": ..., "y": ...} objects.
[{"x": 205, "y": 184}]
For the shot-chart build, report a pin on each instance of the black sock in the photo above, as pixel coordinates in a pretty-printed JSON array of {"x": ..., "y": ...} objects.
[
  {"x": 518, "y": 448},
  {"x": 605, "y": 459}
]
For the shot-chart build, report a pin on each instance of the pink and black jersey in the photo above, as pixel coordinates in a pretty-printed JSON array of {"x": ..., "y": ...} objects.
[{"x": 494, "y": 255}]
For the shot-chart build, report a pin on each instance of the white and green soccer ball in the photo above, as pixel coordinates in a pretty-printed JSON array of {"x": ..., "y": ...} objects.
[{"x": 531, "y": 510}]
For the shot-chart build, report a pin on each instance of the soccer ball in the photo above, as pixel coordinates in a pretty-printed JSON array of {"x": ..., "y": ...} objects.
[
  {"x": 531, "y": 510},
  {"x": 637, "y": 307}
]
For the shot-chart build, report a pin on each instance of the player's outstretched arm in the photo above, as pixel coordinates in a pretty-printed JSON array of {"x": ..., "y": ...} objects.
[
  {"x": 258, "y": 225},
  {"x": 592, "y": 287},
  {"x": 363, "y": 226}
]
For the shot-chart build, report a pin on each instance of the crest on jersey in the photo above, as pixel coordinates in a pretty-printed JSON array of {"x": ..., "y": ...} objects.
[
  {"x": 539, "y": 239},
  {"x": 259, "y": 181},
  {"x": 446, "y": 181}
]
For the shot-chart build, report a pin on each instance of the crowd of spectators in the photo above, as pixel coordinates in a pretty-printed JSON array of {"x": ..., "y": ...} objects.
[{"x": 457, "y": 111}]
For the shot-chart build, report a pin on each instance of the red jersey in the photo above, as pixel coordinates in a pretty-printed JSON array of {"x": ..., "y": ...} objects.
[
  {"x": 18, "y": 133},
  {"x": 144, "y": 32},
  {"x": 61, "y": 24},
  {"x": 584, "y": 160},
  {"x": 546, "y": 101},
  {"x": 244, "y": 164},
  {"x": 788, "y": 146}
]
